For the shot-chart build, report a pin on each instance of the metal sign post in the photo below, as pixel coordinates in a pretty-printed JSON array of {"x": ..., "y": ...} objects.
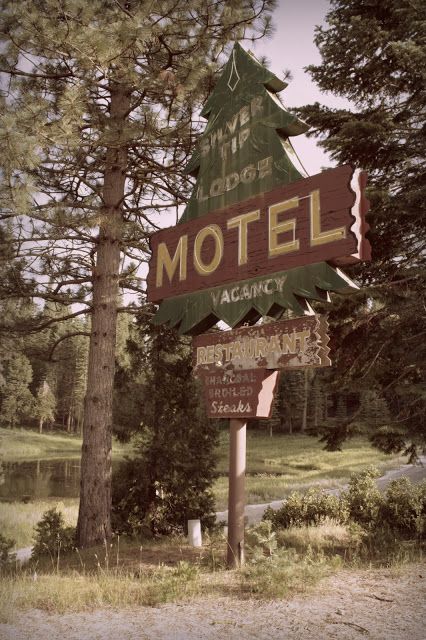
[{"x": 236, "y": 496}]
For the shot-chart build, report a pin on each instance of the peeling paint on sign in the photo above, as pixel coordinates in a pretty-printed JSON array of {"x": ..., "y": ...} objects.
[{"x": 297, "y": 343}]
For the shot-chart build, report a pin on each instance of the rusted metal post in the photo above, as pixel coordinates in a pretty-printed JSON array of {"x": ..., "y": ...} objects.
[{"x": 236, "y": 495}]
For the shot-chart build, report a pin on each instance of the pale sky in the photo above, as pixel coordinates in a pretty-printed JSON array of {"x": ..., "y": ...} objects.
[{"x": 292, "y": 47}]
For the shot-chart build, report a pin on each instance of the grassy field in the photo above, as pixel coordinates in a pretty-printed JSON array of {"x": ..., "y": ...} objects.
[
  {"x": 279, "y": 465},
  {"x": 127, "y": 573},
  {"x": 22, "y": 444},
  {"x": 275, "y": 467}
]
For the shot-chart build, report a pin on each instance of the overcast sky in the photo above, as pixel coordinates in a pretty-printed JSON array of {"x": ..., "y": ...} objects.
[{"x": 292, "y": 47}]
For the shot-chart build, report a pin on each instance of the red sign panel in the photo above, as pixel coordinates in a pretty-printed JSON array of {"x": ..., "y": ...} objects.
[
  {"x": 321, "y": 218},
  {"x": 287, "y": 344},
  {"x": 244, "y": 394}
]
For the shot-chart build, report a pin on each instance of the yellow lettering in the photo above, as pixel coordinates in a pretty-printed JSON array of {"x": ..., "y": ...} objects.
[
  {"x": 170, "y": 265},
  {"x": 201, "y": 355},
  {"x": 241, "y": 223},
  {"x": 261, "y": 347},
  {"x": 218, "y": 352},
  {"x": 276, "y": 228},
  {"x": 303, "y": 336},
  {"x": 274, "y": 344},
  {"x": 288, "y": 343},
  {"x": 214, "y": 231},
  {"x": 227, "y": 348},
  {"x": 210, "y": 354},
  {"x": 317, "y": 236},
  {"x": 237, "y": 350}
]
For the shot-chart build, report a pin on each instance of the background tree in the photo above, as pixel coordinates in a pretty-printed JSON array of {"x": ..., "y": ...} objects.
[
  {"x": 97, "y": 120},
  {"x": 17, "y": 401},
  {"x": 169, "y": 480},
  {"x": 45, "y": 404},
  {"x": 378, "y": 337}
]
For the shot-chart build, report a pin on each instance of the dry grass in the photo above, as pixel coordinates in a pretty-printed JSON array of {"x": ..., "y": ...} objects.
[
  {"x": 126, "y": 575},
  {"x": 328, "y": 536}
]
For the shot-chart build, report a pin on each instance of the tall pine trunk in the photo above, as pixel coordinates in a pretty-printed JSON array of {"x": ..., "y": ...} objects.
[{"x": 94, "y": 518}]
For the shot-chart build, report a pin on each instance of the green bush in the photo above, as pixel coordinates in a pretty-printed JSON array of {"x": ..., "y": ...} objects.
[
  {"x": 52, "y": 536},
  {"x": 399, "y": 513},
  {"x": 402, "y": 510},
  {"x": 261, "y": 539},
  {"x": 143, "y": 508},
  {"x": 311, "y": 508},
  {"x": 6, "y": 544},
  {"x": 363, "y": 499}
]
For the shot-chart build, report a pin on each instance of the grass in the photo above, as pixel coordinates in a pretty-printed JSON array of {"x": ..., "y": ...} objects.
[
  {"x": 17, "y": 520},
  {"x": 279, "y": 465},
  {"x": 24, "y": 444},
  {"x": 126, "y": 574},
  {"x": 275, "y": 467}
]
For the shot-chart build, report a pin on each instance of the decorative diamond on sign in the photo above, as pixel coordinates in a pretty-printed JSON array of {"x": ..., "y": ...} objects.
[{"x": 234, "y": 78}]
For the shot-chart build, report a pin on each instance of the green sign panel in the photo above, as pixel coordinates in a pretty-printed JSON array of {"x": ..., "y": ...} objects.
[
  {"x": 251, "y": 299},
  {"x": 244, "y": 149}
]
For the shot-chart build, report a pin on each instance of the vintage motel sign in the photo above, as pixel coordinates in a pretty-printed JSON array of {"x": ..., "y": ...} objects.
[{"x": 257, "y": 237}]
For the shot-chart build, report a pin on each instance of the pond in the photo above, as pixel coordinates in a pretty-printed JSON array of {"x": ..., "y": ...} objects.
[{"x": 29, "y": 479}]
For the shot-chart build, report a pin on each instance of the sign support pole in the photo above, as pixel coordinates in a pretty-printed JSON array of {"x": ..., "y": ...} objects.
[{"x": 236, "y": 495}]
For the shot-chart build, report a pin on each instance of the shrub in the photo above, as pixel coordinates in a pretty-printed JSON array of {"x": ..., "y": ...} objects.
[
  {"x": 52, "y": 536},
  {"x": 261, "y": 539},
  {"x": 363, "y": 499},
  {"x": 286, "y": 572},
  {"x": 143, "y": 508},
  {"x": 311, "y": 508},
  {"x": 6, "y": 544},
  {"x": 403, "y": 508}
]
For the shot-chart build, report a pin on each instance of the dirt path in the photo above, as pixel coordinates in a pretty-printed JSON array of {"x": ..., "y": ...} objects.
[{"x": 376, "y": 604}]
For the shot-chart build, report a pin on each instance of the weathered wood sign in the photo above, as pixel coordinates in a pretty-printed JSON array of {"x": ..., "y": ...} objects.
[
  {"x": 242, "y": 394},
  {"x": 309, "y": 221},
  {"x": 234, "y": 367},
  {"x": 297, "y": 343},
  {"x": 256, "y": 237}
]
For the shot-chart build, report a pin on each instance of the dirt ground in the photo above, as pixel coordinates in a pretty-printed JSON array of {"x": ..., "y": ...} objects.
[{"x": 377, "y": 604}]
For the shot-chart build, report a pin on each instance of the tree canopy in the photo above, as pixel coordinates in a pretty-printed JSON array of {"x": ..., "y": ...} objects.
[
  {"x": 373, "y": 53},
  {"x": 99, "y": 111}
]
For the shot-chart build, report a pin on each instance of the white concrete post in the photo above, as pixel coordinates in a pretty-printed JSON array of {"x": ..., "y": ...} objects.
[{"x": 194, "y": 533}]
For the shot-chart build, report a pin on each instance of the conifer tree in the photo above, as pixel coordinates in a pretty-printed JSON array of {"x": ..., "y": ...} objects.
[
  {"x": 45, "y": 404},
  {"x": 97, "y": 123},
  {"x": 169, "y": 479},
  {"x": 17, "y": 401},
  {"x": 373, "y": 53}
]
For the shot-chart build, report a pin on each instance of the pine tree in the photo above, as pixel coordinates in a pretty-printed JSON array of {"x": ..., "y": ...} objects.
[
  {"x": 377, "y": 337},
  {"x": 45, "y": 404},
  {"x": 96, "y": 127},
  {"x": 169, "y": 479},
  {"x": 17, "y": 401}
]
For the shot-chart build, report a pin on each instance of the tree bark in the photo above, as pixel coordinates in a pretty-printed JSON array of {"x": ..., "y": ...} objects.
[{"x": 94, "y": 518}]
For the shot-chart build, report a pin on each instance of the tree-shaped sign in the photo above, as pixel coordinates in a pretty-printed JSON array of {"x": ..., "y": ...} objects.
[
  {"x": 244, "y": 149},
  {"x": 257, "y": 235}
]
